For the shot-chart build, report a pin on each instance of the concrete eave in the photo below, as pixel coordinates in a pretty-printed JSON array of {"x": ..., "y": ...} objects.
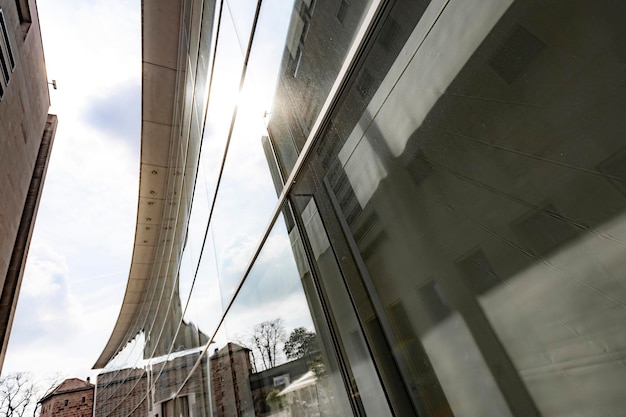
[{"x": 160, "y": 40}]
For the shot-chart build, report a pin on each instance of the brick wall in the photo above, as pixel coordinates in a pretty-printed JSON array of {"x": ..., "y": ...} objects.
[{"x": 70, "y": 404}]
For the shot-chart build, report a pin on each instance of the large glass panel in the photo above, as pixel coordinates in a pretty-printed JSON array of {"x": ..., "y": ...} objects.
[
  {"x": 471, "y": 184},
  {"x": 272, "y": 357},
  {"x": 241, "y": 13},
  {"x": 121, "y": 392},
  {"x": 247, "y": 194},
  {"x": 363, "y": 374},
  {"x": 204, "y": 307}
]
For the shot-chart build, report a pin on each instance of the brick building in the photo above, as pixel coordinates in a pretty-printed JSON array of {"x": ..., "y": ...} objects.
[{"x": 72, "y": 398}]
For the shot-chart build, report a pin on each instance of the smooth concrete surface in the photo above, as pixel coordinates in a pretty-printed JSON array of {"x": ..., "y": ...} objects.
[{"x": 160, "y": 29}]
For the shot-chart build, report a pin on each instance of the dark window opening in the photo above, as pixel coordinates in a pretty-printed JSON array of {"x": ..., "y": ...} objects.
[
  {"x": 342, "y": 11},
  {"x": 4, "y": 66},
  {"x": 478, "y": 272},
  {"x": 434, "y": 301},
  {"x": 515, "y": 54},
  {"x": 366, "y": 84},
  {"x": 389, "y": 34},
  {"x": 5, "y": 35}
]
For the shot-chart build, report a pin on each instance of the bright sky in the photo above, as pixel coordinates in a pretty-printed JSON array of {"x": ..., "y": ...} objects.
[{"x": 80, "y": 252}]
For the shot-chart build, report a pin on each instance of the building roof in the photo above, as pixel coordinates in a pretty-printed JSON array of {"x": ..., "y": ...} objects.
[
  {"x": 67, "y": 386},
  {"x": 160, "y": 42}
]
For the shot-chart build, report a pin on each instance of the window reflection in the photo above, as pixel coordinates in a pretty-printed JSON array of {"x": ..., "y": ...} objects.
[
  {"x": 469, "y": 186},
  {"x": 319, "y": 37},
  {"x": 269, "y": 359}
]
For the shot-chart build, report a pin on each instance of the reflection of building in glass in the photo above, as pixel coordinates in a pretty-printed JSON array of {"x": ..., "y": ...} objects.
[
  {"x": 123, "y": 392},
  {"x": 437, "y": 191},
  {"x": 238, "y": 391},
  {"x": 230, "y": 384},
  {"x": 268, "y": 386},
  {"x": 26, "y": 136}
]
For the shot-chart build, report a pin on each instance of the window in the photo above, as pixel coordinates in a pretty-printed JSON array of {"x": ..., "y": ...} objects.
[
  {"x": 5, "y": 37},
  {"x": 5, "y": 68},
  {"x": 7, "y": 61},
  {"x": 66, "y": 402},
  {"x": 83, "y": 400},
  {"x": 515, "y": 54}
]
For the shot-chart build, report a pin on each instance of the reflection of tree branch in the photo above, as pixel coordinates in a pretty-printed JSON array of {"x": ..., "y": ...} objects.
[
  {"x": 240, "y": 340},
  {"x": 263, "y": 343},
  {"x": 51, "y": 384}
]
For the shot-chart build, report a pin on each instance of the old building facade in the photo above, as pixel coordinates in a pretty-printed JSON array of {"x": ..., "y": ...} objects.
[{"x": 72, "y": 398}]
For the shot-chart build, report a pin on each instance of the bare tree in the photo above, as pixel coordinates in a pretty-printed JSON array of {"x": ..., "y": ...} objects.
[
  {"x": 17, "y": 394},
  {"x": 45, "y": 387},
  {"x": 266, "y": 336},
  {"x": 245, "y": 342},
  {"x": 20, "y": 393}
]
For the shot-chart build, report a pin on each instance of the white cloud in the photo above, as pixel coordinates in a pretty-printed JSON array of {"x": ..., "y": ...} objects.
[{"x": 82, "y": 244}]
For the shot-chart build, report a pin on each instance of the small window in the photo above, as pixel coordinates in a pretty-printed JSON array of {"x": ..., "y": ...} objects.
[
  {"x": 66, "y": 402},
  {"x": 5, "y": 36},
  {"x": 83, "y": 399},
  {"x": 3, "y": 65},
  {"x": 7, "y": 62}
]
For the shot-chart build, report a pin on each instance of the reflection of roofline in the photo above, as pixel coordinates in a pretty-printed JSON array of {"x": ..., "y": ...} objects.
[
  {"x": 66, "y": 391},
  {"x": 160, "y": 40}
]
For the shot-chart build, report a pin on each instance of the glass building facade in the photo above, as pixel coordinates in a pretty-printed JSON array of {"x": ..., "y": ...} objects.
[{"x": 383, "y": 208}]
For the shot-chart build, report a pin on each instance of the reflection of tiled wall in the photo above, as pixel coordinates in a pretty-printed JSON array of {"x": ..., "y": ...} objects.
[
  {"x": 174, "y": 374},
  {"x": 121, "y": 393}
]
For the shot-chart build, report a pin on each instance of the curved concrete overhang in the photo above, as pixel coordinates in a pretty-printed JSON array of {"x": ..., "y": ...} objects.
[{"x": 160, "y": 43}]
